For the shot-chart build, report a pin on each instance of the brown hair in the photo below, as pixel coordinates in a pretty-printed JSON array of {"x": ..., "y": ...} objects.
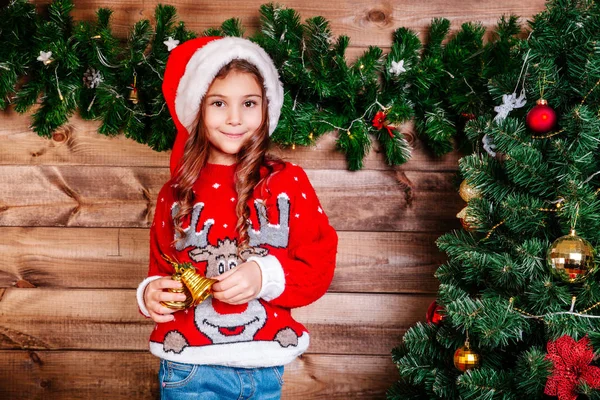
[{"x": 250, "y": 159}]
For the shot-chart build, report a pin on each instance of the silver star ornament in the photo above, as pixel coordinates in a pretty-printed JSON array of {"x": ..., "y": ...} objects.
[
  {"x": 45, "y": 57},
  {"x": 171, "y": 43},
  {"x": 397, "y": 68}
]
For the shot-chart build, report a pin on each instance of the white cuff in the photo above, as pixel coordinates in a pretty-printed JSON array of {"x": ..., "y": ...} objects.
[
  {"x": 140, "y": 294},
  {"x": 273, "y": 278}
]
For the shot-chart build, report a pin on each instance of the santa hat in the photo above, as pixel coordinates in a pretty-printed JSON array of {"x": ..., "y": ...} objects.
[{"x": 190, "y": 70}]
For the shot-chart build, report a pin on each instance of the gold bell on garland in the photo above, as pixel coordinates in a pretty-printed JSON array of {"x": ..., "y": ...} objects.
[
  {"x": 468, "y": 192},
  {"x": 465, "y": 358},
  {"x": 195, "y": 287},
  {"x": 133, "y": 93},
  {"x": 571, "y": 258}
]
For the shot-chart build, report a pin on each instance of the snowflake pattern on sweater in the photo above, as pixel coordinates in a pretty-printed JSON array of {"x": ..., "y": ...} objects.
[{"x": 292, "y": 242}]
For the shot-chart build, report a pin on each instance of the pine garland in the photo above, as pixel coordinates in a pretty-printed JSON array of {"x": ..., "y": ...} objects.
[{"x": 119, "y": 83}]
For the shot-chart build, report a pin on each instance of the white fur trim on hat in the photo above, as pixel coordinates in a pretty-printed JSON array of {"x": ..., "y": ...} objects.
[{"x": 208, "y": 60}]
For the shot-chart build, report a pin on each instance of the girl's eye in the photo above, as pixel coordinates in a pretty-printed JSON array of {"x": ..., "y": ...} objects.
[
  {"x": 218, "y": 103},
  {"x": 249, "y": 103}
]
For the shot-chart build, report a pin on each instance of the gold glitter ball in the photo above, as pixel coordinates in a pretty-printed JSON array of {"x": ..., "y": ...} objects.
[
  {"x": 468, "y": 192},
  {"x": 465, "y": 358},
  {"x": 571, "y": 258}
]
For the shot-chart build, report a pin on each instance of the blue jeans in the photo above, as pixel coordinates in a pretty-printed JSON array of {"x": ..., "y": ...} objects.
[{"x": 213, "y": 382}]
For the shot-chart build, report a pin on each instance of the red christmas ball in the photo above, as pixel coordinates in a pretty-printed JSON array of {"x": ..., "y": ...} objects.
[
  {"x": 541, "y": 118},
  {"x": 435, "y": 313}
]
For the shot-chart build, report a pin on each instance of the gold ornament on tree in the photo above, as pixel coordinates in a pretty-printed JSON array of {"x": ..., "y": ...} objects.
[
  {"x": 195, "y": 287},
  {"x": 468, "y": 192},
  {"x": 571, "y": 258},
  {"x": 465, "y": 358},
  {"x": 468, "y": 222}
]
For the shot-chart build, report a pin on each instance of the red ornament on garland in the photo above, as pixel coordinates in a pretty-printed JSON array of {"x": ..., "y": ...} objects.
[
  {"x": 435, "y": 313},
  {"x": 380, "y": 122},
  {"x": 541, "y": 118},
  {"x": 467, "y": 116},
  {"x": 571, "y": 366}
]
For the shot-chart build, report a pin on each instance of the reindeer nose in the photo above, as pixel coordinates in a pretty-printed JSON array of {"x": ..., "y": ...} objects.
[{"x": 224, "y": 308}]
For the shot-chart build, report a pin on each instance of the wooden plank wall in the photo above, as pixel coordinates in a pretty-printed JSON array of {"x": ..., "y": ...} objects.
[{"x": 75, "y": 211}]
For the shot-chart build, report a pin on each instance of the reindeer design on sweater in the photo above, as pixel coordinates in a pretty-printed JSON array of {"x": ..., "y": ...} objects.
[{"x": 220, "y": 322}]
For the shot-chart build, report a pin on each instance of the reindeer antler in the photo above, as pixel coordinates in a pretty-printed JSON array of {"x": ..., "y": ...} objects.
[
  {"x": 177, "y": 266},
  {"x": 170, "y": 260},
  {"x": 193, "y": 238},
  {"x": 274, "y": 235}
]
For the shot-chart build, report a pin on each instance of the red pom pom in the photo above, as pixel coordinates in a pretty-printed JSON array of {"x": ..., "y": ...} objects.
[
  {"x": 541, "y": 118},
  {"x": 435, "y": 313}
]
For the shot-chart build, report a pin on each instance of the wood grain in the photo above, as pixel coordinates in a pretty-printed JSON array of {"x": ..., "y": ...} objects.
[
  {"x": 89, "y": 196},
  {"x": 394, "y": 262},
  {"x": 118, "y": 375},
  {"x": 59, "y": 319},
  {"x": 366, "y": 23},
  {"x": 78, "y": 143}
]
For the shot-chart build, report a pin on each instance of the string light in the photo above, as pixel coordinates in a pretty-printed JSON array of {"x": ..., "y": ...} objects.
[
  {"x": 57, "y": 85},
  {"x": 558, "y": 206},
  {"x": 361, "y": 118},
  {"x": 582, "y": 314}
]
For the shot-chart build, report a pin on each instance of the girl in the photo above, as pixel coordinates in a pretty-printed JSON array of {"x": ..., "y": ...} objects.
[{"x": 249, "y": 221}]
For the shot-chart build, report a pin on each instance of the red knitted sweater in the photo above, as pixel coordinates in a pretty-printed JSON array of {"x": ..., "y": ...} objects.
[{"x": 293, "y": 244}]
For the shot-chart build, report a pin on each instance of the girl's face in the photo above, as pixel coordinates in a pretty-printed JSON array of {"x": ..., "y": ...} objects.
[{"x": 232, "y": 114}]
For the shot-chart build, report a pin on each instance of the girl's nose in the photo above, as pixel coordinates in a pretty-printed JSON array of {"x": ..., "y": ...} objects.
[{"x": 234, "y": 116}]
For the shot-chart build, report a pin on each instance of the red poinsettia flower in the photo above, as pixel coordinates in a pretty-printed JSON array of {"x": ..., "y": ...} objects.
[
  {"x": 379, "y": 120},
  {"x": 571, "y": 362}
]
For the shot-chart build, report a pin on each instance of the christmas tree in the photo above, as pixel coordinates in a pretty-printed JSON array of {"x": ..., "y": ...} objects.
[{"x": 517, "y": 314}]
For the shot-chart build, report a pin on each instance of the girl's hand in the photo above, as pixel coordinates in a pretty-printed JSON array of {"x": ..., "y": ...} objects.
[
  {"x": 156, "y": 292},
  {"x": 238, "y": 285}
]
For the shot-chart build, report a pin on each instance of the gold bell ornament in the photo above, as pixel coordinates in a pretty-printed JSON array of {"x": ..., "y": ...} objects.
[
  {"x": 571, "y": 258},
  {"x": 133, "y": 94},
  {"x": 468, "y": 192},
  {"x": 195, "y": 287},
  {"x": 465, "y": 358}
]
